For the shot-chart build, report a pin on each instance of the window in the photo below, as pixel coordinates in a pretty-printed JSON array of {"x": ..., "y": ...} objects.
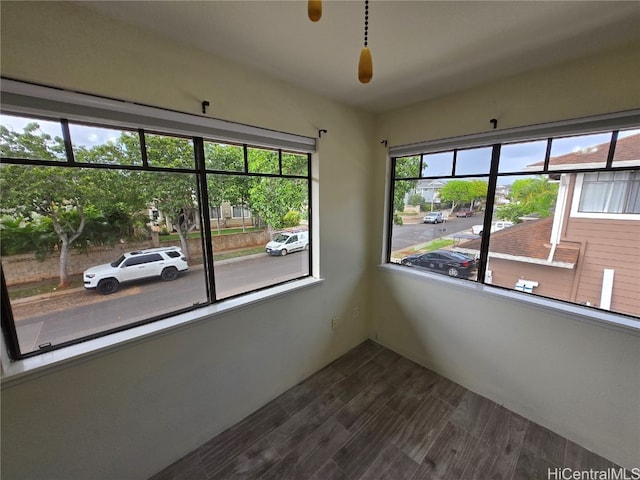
[
  {"x": 610, "y": 192},
  {"x": 241, "y": 212},
  {"x": 77, "y": 195},
  {"x": 553, "y": 211}
]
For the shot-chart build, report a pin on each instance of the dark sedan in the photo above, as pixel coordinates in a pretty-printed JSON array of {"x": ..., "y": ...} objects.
[{"x": 449, "y": 263}]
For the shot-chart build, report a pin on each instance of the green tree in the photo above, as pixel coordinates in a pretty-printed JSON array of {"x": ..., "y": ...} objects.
[
  {"x": 417, "y": 200},
  {"x": 461, "y": 192},
  {"x": 173, "y": 194},
  {"x": 20, "y": 235},
  {"x": 221, "y": 188},
  {"x": 272, "y": 198},
  {"x": 60, "y": 194},
  {"x": 31, "y": 143},
  {"x": 529, "y": 196},
  {"x": 404, "y": 168}
]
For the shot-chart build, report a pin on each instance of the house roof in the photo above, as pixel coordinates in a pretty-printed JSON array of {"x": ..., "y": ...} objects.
[
  {"x": 529, "y": 239},
  {"x": 627, "y": 148}
]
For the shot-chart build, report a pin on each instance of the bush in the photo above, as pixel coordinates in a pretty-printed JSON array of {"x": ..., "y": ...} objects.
[
  {"x": 18, "y": 236},
  {"x": 291, "y": 219}
]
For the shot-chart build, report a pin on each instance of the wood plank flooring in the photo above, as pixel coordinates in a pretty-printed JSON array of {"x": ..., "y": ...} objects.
[{"x": 374, "y": 415}]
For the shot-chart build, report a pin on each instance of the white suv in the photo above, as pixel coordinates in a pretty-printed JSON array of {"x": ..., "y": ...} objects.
[{"x": 151, "y": 262}]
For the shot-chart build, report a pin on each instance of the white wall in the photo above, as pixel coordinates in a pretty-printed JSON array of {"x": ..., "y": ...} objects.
[
  {"x": 578, "y": 379},
  {"x": 129, "y": 413}
]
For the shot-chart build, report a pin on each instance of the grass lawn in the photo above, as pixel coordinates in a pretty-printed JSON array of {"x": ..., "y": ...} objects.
[
  {"x": 425, "y": 247},
  {"x": 214, "y": 232}
]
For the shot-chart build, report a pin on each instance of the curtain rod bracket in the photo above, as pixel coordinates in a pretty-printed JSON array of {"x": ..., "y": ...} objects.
[
  {"x": 321, "y": 131},
  {"x": 205, "y": 104}
]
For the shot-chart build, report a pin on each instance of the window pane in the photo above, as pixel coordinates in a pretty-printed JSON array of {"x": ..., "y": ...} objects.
[
  {"x": 437, "y": 219},
  {"x": 582, "y": 151},
  {"x": 627, "y": 151},
  {"x": 242, "y": 262},
  {"x": 33, "y": 138},
  {"x": 229, "y": 158},
  {"x": 407, "y": 167},
  {"x": 294, "y": 164},
  {"x": 263, "y": 161},
  {"x": 437, "y": 164},
  {"x": 104, "y": 145},
  {"x": 516, "y": 157},
  {"x": 541, "y": 253},
  {"x": 473, "y": 161},
  {"x": 118, "y": 222},
  {"x": 170, "y": 152}
]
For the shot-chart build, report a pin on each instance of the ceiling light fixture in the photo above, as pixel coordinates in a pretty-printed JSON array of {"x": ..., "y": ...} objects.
[
  {"x": 314, "y": 10},
  {"x": 365, "y": 65}
]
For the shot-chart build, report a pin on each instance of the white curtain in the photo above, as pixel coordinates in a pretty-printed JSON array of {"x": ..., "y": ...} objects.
[{"x": 610, "y": 192}]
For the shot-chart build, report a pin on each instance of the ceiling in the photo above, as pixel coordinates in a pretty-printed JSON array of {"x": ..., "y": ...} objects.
[{"x": 421, "y": 49}]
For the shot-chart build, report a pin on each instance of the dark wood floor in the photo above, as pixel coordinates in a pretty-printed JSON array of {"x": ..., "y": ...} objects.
[{"x": 373, "y": 414}]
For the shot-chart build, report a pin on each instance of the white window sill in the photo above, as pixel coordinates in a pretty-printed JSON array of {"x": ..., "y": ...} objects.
[
  {"x": 601, "y": 318},
  {"x": 21, "y": 370}
]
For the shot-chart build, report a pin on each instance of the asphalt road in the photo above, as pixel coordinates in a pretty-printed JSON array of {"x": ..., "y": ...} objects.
[
  {"x": 71, "y": 315},
  {"x": 413, "y": 234}
]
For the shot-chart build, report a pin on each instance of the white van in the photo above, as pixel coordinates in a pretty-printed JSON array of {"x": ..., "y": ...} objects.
[{"x": 287, "y": 242}]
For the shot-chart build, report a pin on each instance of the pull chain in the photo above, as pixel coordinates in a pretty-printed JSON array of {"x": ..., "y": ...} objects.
[{"x": 366, "y": 21}]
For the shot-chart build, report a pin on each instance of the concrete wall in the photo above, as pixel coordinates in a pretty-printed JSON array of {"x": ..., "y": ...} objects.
[
  {"x": 131, "y": 412},
  {"x": 578, "y": 379}
]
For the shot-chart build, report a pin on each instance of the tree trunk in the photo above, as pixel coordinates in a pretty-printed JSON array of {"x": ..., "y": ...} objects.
[
  {"x": 184, "y": 243},
  {"x": 64, "y": 258},
  {"x": 66, "y": 241}
]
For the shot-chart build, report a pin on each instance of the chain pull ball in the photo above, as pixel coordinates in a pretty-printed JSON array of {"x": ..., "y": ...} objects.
[{"x": 365, "y": 65}]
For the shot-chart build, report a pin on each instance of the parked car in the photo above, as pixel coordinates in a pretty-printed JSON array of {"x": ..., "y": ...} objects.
[
  {"x": 446, "y": 262},
  {"x": 477, "y": 229},
  {"x": 287, "y": 242},
  {"x": 164, "y": 263},
  {"x": 464, "y": 213},
  {"x": 433, "y": 217}
]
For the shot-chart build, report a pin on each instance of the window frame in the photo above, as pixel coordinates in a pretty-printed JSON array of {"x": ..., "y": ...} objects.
[
  {"x": 608, "y": 123},
  {"x": 44, "y": 103}
]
